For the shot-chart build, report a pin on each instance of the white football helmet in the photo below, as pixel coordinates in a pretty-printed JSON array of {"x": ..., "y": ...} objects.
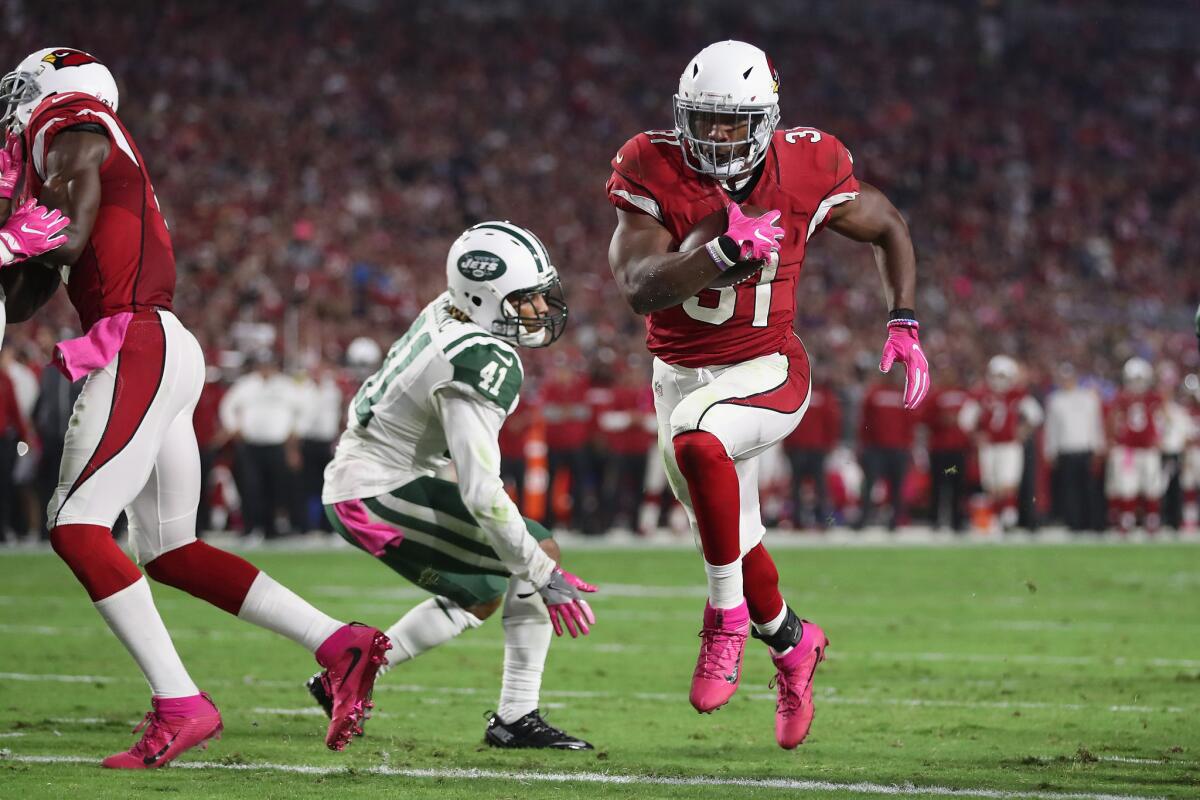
[
  {"x": 53, "y": 70},
  {"x": 1138, "y": 374},
  {"x": 490, "y": 268},
  {"x": 727, "y": 83},
  {"x": 1002, "y": 373},
  {"x": 364, "y": 352}
]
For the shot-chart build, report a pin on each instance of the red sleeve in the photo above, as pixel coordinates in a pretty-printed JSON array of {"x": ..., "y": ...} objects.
[
  {"x": 61, "y": 111},
  {"x": 837, "y": 168},
  {"x": 627, "y": 186}
]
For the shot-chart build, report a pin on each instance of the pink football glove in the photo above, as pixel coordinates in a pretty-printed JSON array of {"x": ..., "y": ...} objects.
[
  {"x": 567, "y": 608},
  {"x": 902, "y": 345},
  {"x": 12, "y": 159},
  {"x": 757, "y": 237},
  {"x": 31, "y": 231}
]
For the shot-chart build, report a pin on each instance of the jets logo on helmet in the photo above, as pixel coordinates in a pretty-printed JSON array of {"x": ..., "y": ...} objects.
[
  {"x": 500, "y": 276},
  {"x": 52, "y": 70},
  {"x": 480, "y": 266},
  {"x": 66, "y": 57}
]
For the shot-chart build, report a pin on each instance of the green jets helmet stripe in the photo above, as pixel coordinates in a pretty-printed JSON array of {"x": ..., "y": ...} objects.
[
  {"x": 540, "y": 257},
  {"x": 493, "y": 371}
]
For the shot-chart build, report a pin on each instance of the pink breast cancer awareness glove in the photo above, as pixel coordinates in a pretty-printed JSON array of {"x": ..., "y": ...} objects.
[
  {"x": 756, "y": 237},
  {"x": 12, "y": 159},
  {"x": 902, "y": 345},
  {"x": 567, "y": 608},
  {"x": 31, "y": 231}
]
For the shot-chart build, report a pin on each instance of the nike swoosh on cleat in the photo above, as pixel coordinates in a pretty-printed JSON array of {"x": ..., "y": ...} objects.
[
  {"x": 148, "y": 760},
  {"x": 357, "y": 653},
  {"x": 732, "y": 677}
]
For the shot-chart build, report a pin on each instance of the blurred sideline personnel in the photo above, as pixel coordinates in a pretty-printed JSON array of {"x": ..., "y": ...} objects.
[
  {"x": 130, "y": 445},
  {"x": 885, "y": 434},
  {"x": 731, "y": 378},
  {"x": 948, "y": 446},
  {"x": 1189, "y": 476},
  {"x": 1135, "y": 474},
  {"x": 1001, "y": 414},
  {"x": 440, "y": 398},
  {"x": 1074, "y": 438},
  {"x": 807, "y": 448}
]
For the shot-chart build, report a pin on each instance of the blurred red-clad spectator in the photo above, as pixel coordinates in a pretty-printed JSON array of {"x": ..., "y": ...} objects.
[
  {"x": 568, "y": 416},
  {"x": 211, "y": 437},
  {"x": 886, "y": 439},
  {"x": 13, "y": 429},
  {"x": 807, "y": 448},
  {"x": 622, "y": 441},
  {"x": 948, "y": 448}
]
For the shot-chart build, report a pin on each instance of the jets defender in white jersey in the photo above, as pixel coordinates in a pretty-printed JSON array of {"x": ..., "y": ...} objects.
[{"x": 440, "y": 397}]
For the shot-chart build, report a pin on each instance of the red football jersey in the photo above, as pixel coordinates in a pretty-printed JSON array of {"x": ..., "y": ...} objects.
[
  {"x": 1132, "y": 419},
  {"x": 1000, "y": 414},
  {"x": 806, "y": 173},
  {"x": 821, "y": 427},
  {"x": 941, "y": 417},
  {"x": 128, "y": 264},
  {"x": 885, "y": 421}
]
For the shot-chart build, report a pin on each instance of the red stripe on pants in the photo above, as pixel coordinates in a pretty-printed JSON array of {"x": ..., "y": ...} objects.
[{"x": 140, "y": 365}]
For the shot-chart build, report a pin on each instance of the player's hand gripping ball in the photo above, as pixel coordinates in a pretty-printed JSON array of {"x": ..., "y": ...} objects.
[{"x": 710, "y": 228}]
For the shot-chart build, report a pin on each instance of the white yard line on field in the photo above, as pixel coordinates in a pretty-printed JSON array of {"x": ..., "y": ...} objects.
[
  {"x": 569, "y": 694},
  {"x": 786, "y": 784}
]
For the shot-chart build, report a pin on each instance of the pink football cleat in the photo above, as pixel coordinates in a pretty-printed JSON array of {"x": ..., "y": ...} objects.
[
  {"x": 793, "y": 680},
  {"x": 351, "y": 657},
  {"x": 173, "y": 725},
  {"x": 719, "y": 667}
]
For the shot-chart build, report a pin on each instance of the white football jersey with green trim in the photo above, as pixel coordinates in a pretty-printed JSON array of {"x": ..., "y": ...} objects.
[{"x": 393, "y": 432}]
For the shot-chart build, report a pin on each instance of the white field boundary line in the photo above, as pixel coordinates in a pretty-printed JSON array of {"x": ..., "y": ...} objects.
[
  {"x": 786, "y": 784},
  {"x": 616, "y": 647},
  {"x": 879, "y": 538},
  {"x": 569, "y": 694}
]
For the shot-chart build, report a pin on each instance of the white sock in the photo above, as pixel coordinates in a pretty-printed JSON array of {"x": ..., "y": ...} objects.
[
  {"x": 771, "y": 628},
  {"x": 527, "y": 634},
  {"x": 725, "y": 584},
  {"x": 273, "y": 606},
  {"x": 131, "y": 615},
  {"x": 433, "y": 622}
]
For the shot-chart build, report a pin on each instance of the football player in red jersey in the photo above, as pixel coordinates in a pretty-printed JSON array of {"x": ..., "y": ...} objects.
[
  {"x": 1001, "y": 415},
  {"x": 730, "y": 376},
  {"x": 130, "y": 445},
  {"x": 1135, "y": 474}
]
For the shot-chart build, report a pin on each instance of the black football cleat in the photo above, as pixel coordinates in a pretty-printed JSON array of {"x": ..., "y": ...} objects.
[
  {"x": 316, "y": 687},
  {"x": 530, "y": 731}
]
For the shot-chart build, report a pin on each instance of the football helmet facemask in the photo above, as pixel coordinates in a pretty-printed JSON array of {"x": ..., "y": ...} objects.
[
  {"x": 731, "y": 87},
  {"x": 53, "y": 70},
  {"x": 495, "y": 272}
]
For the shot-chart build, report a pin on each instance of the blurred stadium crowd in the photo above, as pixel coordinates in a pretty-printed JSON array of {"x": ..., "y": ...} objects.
[{"x": 315, "y": 160}]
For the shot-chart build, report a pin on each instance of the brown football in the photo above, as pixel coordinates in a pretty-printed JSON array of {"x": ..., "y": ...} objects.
[{"x": 710, "y": 228}]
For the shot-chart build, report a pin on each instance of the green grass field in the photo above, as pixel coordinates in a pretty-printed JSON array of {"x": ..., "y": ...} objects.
[{"x": 1023, "y": 671}]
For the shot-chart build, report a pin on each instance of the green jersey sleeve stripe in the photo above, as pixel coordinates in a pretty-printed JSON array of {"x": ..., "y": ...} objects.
[
  {"x": 480, "y": 340},
  {"x": 465, "y": 337}
]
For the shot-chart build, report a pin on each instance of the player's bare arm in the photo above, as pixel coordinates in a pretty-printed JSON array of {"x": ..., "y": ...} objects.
[
  {"x": 649, "y": 275},
  {"x": 872, "y": 218},
  {"x": 73, "y": 187}
]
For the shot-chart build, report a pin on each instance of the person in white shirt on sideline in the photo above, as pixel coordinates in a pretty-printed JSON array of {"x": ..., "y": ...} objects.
[
  {"x": 320, "y": 423},
  {"x": 261, "y": 412},
  {"x": 1073, "y": 440}
]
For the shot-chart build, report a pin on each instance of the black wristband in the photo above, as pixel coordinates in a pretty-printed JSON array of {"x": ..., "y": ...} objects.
[
  {"x": 729, "y": 247},
  {"x": 902, "y": 313}
]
